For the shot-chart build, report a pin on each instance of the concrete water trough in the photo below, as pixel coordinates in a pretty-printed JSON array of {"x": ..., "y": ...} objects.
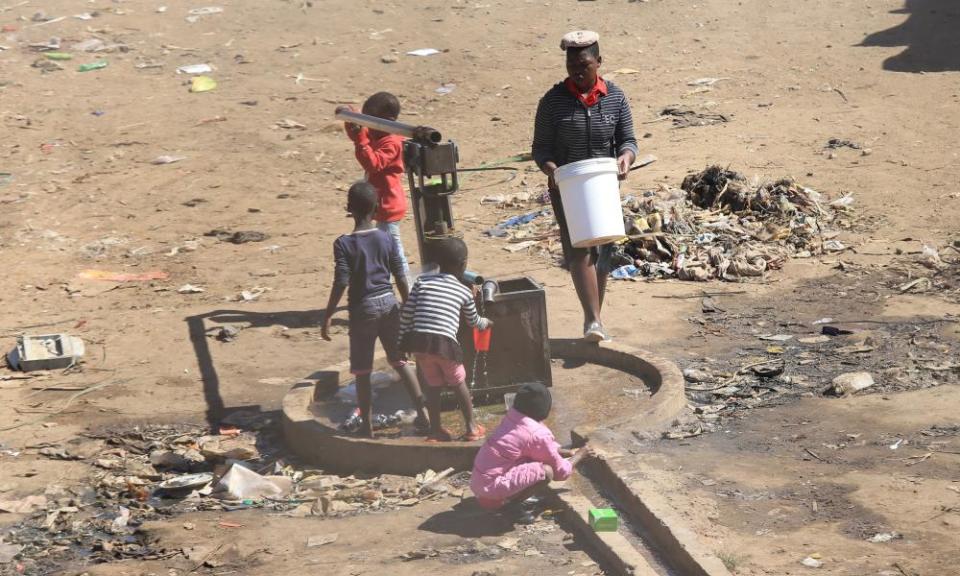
[{"x": 607, "y": 386}]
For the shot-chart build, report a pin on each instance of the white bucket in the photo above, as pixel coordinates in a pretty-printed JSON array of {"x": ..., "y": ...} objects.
[{"x": 590, "y": 193}]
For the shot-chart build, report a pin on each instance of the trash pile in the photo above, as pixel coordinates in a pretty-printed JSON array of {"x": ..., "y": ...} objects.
[
  {"x": 719, "y": 225},
  {"x": 146, "y": 473},
  {"x": 931, "y": 269}
]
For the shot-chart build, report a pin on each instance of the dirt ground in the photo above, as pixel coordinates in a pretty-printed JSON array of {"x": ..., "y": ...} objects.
[{"x": 261, "y": 152}]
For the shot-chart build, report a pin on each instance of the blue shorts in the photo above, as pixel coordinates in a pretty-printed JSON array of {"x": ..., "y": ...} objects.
[{"x": 376, "y": 317}]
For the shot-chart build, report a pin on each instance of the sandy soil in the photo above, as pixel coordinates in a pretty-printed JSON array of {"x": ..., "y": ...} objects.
[{"x": 84, "y": 194}]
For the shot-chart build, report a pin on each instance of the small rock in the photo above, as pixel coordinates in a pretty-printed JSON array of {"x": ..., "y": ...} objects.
[
  {"x": 389, "y": 59},
  {"x": 696, "y": 375},
  {"x": 849, "y": 383},
  {"x": 241, "y": 447}
]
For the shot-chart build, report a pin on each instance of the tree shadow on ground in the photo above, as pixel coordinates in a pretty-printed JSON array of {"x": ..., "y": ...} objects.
[
  {"x": 200, "y": 335},
  {"x": 468, "y": 520},
  {"x": 931, "y": 35}
]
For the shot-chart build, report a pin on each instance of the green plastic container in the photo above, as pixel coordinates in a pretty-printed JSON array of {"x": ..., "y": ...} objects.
[
  {"x": 604, "y": 520},
  {"x": 98, "y": 65}
]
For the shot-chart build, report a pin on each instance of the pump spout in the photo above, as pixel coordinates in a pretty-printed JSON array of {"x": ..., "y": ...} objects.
[{"x": 489, "y": 290}]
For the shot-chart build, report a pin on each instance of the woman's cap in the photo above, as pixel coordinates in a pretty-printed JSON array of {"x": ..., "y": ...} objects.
[
  {"x": 579, "y": 39},
  {"x": 533, "y": 400}
]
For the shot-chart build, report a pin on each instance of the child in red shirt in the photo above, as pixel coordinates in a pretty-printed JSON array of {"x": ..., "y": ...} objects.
[{"x": 381, "y": 156}]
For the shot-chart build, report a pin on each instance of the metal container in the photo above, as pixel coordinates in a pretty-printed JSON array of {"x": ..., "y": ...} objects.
[{"x": 520, "y": 345}]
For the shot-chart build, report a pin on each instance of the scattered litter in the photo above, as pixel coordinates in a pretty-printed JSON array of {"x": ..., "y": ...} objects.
[
  {"x": 239, "y": 237},
  {"x": 242, "y": 483},
  {"x": 844, "y": 201},
  {"x": 705, "y": 81},
  {"x": 833, "y": 246},
  {"x": 626, "y": 272},
  {"x": 190, "y": 289},
  {"x": 769, "y": 370},
  {"x": 520, "y": 246},
  {"x": 202, "y": 84},
  {"x": 918, "y": 285},
  {"x": 444, "y": 89},
  {"x": 228, "y": 333},
  {"x": 322, "y": 540},
  {"x": 89, "y": 45},
  {"x": 849, "y": 383},
  {"x": 123, "y": 276},
  {"x": 814, "y": 339},
  {"x": 896, "y": 445},
  {"x": 46, "y": 66},
  {"x": 684, "y": 117},
  {"x": 52, "y": 44},
  {"x": 776, "y": 337},
  {"x": 930, "y": 258},
  {"x": 500, "y": 230},
  {"x": 166, "y": 159},
  {"x": 835, "y": 331},
  {"x": 8, "y": 552},
  {"x": 684, "y": 431},
  {"x": 811, "y": 562},
  {"x": 835, "y": 143},
  {"x": 195, "y": 69},
  {"x": 288, "y": 124},
  {"x": 197, "y": 13},
  {"x": 423, "y": 52},
  {"x": 884, "y": 537},
  {"x": 58, "y": 56},
  {"x": 98, "y": 65},
  {"x": 25, "y": 505}
]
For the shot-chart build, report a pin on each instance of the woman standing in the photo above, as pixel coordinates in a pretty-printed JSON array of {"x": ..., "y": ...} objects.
[{"x": 580, "y": 118}]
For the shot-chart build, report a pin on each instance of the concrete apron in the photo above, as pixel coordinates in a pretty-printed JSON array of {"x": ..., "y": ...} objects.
[{"x": 665, "y": 532}]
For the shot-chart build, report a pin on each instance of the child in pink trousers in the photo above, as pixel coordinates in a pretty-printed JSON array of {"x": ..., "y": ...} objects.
[{"x": 521, "y": 457}]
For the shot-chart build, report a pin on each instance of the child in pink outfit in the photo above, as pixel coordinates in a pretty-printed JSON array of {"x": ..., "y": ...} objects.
[{"x": 521, "y": 457}]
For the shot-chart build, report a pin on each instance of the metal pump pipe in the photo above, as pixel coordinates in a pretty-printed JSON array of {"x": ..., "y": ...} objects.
[{"x": 389, "y": 126}]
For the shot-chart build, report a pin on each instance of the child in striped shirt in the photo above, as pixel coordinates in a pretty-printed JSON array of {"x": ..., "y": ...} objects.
[{"x": 429, "y": 323}]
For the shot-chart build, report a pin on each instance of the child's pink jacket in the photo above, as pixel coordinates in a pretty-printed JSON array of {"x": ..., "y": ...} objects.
[{"x": 518, "y": 440}]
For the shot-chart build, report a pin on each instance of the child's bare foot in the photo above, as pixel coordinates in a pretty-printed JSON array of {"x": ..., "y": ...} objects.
[{"x": 441, "y": 435}]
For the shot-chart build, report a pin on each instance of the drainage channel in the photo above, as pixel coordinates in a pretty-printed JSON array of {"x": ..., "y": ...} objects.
[
  {"x": 651, "y": 540},
  {"x": 628, "y": 551}
]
